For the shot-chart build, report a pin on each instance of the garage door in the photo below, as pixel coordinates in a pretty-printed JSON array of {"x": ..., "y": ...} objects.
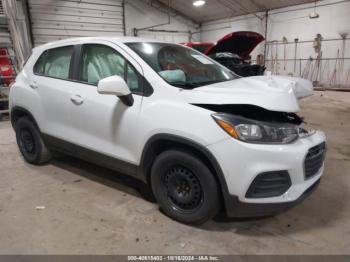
[
  {"x": 4, "y": 33},
  {"x": 5, "y": 39},
  {"x": 59, "y": 19}
]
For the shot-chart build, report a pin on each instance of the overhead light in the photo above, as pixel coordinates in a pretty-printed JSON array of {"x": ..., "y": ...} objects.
[
  {"x": 198, "y": 3},
  {"x": 313, "y": 14}
]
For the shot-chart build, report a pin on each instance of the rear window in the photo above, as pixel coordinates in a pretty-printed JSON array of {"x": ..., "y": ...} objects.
[{"x": 55, "y": 62}]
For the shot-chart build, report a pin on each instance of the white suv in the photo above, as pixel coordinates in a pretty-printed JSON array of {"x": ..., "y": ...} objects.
[{"x": 202, "y": 137}]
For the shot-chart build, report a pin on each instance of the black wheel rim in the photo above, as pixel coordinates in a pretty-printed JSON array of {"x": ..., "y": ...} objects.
[
  {"x": 183, "y": 189},
  {"x": 27, "y": 141}
]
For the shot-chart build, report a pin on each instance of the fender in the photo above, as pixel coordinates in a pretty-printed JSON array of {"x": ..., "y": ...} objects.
[{"x": 154, "y": 146}]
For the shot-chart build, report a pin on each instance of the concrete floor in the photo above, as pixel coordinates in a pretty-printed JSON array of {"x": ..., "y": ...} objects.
[{"x": 91, "y": 210}]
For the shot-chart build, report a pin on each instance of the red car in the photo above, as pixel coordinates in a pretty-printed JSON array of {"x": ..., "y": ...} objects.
[
  {"x": 199, "y": 46},
  {"x": 233, "y": 51},
  {"x": 7, "y": 76},
  {"x": 7, "y": 73}
]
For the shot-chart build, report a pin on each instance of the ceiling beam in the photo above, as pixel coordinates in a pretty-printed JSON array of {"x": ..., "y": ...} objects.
[
  {"x": 246, "y": 10},
  {"x": 237, "y": 7},
  {"x": 229, "y": 6},
  {"x": 260, "y": 7}
]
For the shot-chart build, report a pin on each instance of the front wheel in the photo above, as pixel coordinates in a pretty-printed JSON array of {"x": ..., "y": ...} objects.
[
  {"x": 30, "y": 142},
  {"x": 184, "y": 187}
]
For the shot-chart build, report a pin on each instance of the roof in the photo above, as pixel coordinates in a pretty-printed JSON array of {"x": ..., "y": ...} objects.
[{"x": 78, "y": 40}]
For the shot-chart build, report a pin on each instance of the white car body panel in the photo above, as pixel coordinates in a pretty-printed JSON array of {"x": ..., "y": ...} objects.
[
  {"x": 104, "y": 124},
  {"x": 246, "y": 90},
  {"x": 276, "y": 93},
  {"x": 301, "y": 87}
]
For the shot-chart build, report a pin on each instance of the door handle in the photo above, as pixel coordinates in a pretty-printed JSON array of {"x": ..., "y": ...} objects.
[
  {"x": 77, "y": 99},
  {"x": 34, "y": 85}
]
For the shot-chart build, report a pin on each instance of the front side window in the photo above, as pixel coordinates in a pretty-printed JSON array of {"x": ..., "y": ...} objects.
[
  {"x": 100, "y": 61},
  {"x": 132, "y": 78},
  {"x": 55, "y": 62},
  {"x": 180, "y": 66}
]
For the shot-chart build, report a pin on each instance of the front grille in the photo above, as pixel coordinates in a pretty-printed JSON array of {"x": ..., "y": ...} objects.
[
  {"x": 269, "y": 184},
  {"x": 314, "y": 160}
]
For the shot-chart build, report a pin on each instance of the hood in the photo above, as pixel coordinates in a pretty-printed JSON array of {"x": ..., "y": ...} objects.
[
  {"x": 241, "y": 43},
  {"x": 273, "y": 93},
  {"x": 301, "y": 87}
]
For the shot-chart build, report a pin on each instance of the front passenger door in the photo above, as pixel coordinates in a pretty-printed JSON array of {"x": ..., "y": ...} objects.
[{"x": 103, "y": 123}]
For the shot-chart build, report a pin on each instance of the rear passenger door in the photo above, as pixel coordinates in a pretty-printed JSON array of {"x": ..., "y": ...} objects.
[
  {"x": 51, "y": 80},
  {"x": 103, "y": 123}
]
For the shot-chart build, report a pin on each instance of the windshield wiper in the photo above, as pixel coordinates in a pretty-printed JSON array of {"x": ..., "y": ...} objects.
[
  {"x": 210, "y": 82},
  {"x": 187, "y": 85}
]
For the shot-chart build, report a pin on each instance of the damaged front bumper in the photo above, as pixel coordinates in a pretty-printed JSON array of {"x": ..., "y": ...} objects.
[
  {"x": 242, "y": 163},
  {"x": 236, "y": 208}
]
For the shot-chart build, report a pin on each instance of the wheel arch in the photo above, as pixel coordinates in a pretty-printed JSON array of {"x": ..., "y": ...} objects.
[
  {"x": 162, "y": 142},
  {"x": 17, "y": 112}
]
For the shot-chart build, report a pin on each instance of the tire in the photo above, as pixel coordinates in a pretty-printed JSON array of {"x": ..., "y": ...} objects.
[
  {"x": 30, "y": 143},
  {"x": 184, "y": 187}
]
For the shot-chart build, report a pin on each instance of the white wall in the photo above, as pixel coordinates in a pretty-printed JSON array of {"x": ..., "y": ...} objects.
[
  {"x": 139, "y": 14},
  {"x": 293, "y": 22}
]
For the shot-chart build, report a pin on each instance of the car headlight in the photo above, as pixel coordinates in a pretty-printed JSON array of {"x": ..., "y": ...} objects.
[{"x": 253, "y": 131}]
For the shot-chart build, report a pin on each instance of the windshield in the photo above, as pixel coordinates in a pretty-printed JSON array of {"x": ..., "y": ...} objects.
[{"x": 181, "y": 66}]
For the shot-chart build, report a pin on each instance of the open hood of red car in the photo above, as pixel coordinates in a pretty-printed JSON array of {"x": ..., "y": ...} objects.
[{"x": 241, "y": 43}]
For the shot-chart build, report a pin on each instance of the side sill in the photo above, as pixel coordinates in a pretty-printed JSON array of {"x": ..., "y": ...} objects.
[{"x": 59, "y": 145}]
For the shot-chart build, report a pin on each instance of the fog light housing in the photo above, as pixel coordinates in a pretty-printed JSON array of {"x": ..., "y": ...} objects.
[{"x": 269, "y": 184}]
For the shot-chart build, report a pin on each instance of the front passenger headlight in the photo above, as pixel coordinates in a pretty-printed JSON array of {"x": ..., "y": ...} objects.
[{"x": 253, "y": 131}]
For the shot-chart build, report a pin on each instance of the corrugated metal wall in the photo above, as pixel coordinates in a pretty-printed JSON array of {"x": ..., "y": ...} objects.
[
  {"x": 59, "y": 19},
  {"x": 1, "y": 8},
  {"x": 5, "y": 39}
]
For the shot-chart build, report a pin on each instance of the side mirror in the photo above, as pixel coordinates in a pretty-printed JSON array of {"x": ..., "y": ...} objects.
[{"x": 115, "y": 85}]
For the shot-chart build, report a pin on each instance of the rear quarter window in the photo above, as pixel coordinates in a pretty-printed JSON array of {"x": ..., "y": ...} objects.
[{"x": 55, "y": 62}]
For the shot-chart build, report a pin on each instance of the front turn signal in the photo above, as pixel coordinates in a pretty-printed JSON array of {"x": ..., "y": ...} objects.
[{"x": 229, "y": 128}]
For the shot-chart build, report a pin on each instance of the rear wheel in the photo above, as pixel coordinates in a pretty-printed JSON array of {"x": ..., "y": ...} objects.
[
  {"x": 184, "y": 187},
  {"x": 30, "y": 142}
]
